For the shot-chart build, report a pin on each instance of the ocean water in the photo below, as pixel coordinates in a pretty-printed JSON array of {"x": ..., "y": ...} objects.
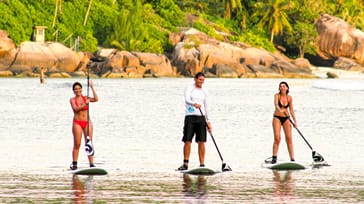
[{"x": 137, "y": 137}]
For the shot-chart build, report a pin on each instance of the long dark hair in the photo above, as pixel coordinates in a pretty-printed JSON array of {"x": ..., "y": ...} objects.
[
  {"x": 285, "y": 83},
  {"x": 76, "y": 84}
]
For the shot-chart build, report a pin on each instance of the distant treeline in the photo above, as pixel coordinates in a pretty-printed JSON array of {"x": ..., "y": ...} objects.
[{"x": 144, "y": 25}]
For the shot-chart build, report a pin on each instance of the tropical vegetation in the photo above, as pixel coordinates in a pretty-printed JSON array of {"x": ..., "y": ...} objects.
[{"x": 145, "y": 25}]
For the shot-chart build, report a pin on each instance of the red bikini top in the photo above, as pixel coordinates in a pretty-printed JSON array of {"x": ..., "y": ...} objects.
[{"x": 84, "y": 100}]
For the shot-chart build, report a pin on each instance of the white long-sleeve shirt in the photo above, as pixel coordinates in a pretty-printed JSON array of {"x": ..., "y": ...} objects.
[{"x": 196, "y": 95}]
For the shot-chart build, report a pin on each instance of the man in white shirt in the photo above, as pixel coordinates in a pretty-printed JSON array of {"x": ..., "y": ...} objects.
[{"x": 196, "y": 120}]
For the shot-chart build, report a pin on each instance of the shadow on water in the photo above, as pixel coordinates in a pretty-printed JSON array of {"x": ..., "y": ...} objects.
[
  {"x": 283, "y": 189},
  {"x": 194, "y": 187},
  {"x": 83, "y": 189}
]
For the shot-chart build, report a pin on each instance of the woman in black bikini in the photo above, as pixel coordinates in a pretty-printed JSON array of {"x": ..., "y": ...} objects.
[{"x": 283, "y": 109}]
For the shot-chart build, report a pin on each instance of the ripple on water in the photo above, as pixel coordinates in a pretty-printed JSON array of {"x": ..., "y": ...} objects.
[{"x": 269, "y": 187}]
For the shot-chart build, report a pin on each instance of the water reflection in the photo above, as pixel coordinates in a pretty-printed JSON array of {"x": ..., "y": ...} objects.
[
  {"x": 82, "y": 189},
  {"x": 194, "y": 188},
  {"x": 283, "y": 186}
]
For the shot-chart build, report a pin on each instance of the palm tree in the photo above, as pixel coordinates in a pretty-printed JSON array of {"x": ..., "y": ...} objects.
[
  {"x": 58, "y": 7},
  {"x": 273, "y": 16},
  {"x": 87, "y": 13},
  {"x": 129, "y": 31},
  {"x": 351, "y": 12},
  {"x": 244, "y": 14},
  {"x": 231, "y": 6}
]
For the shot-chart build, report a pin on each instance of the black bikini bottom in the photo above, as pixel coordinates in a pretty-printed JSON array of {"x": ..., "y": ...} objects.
[{"x": 281, "y": 118}]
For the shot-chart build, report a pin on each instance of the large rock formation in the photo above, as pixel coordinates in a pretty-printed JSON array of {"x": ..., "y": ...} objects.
[
  {"x": 7, "y": 50},
  {"x": 197, "y": 52},
  {"x": 339, "y": 39},
  {"x": 194, "y": 51},
  {"x": 123, "y": 64},
  {"x": 55, "y": 57}
]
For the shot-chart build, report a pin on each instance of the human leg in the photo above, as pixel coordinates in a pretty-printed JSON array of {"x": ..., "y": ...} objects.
[
  {"x": 277, "y": 138},
  {"x": 186, "y": 152},
  {"x": 188, "y": 134},
  {"x": 201, "y": 153},
  {"x": 200, "y": 130},
  {"x": 287, "y": 128},
  {"x": 186, "y": 156},
  {"x": 77, "y": 135}
]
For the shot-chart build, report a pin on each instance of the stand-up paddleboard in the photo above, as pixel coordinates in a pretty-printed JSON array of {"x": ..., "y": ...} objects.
[
  {"x": 200, "y": 171},
  {"x": 284, "y": 165},
  {"x": 89, "y": 171}
]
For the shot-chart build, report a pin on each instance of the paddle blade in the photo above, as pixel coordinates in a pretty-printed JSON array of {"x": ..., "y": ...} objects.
[
  {"x": 226, "y": 167},
  {"x": 89, "y": 148},
  {"x": 317, "y": 157}
]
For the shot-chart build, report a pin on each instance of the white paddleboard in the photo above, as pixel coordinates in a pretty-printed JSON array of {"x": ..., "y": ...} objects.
[
  {"x": 89, "y": 171},
  {"x": 284, "y": 165},
  {"x": 203, "y": 171}
]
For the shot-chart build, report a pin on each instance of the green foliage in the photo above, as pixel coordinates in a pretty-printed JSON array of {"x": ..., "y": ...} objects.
[
  {"x": 255, "y": 38},
  {"x": 222, "y": 25},
  {"x": 155, "y": 39},
  {"x": 232, "y": 7},
  {"x": 193, "y": 41},
  {"x": 15, "y": 12},
  {"x": 302, "y": 37},
  {"x": 145, "y": 25},
  {"x": 102, "y": 16},
  {"x": 127, "y": 33},
  {"x": 150, "y": 17},
  {"x": 89, "y": 43},
  {"x": 203, "y": 27},
  {"x": 132, "y": 34},
  {"x": 168, "y": 10},
  {"x": 352, "y": 12},
  {"x": 274, "y": 16}
]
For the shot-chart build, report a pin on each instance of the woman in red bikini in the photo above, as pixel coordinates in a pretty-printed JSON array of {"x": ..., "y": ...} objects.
[
  {"x": 79, "y": 105},
  {"x": 283, "y": 109}
]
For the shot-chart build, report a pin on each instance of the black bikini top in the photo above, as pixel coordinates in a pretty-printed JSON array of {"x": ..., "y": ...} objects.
[{"x": 280, "y": 104}]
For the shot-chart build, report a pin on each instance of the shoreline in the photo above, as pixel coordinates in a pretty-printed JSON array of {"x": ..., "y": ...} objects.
[
  {"x": 320, "y": 72},
  {"x": 342, "y": 74}
]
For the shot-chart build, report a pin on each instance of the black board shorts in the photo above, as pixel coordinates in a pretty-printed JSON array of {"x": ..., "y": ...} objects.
[{"x": 194, "y": 125}]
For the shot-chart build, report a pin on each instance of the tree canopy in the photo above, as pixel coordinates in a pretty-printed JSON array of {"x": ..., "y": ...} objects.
[{"x": 144, "y": 25}]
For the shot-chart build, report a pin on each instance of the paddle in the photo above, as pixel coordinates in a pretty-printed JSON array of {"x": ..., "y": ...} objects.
[
  {"x": 315, "y": 156},
  {"x": 89, "y": 148},
  {"x": 224, "y": 166}
]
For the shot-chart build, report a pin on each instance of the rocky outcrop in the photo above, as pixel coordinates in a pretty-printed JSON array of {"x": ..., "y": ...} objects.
[
  {"x": 336, "y": 38},
  {"x": 7, "y": 51},
  {"x": 123, "y": 64},
  {"x": 347, "y": 64},
  {"x": 194, "y": 52},
  {"x": 197, "y": 52},
  {"x": 55, "y": 57},
  {"x": 332, "y": 75}
]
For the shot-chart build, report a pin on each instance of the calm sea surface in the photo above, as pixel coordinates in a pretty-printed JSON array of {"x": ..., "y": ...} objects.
[{"x": 137, "y": 138}]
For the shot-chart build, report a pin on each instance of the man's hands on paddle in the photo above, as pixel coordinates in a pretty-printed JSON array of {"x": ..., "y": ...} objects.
[
  {"x": 209, "y": 127},
  {"x": 196, "y": 105}
]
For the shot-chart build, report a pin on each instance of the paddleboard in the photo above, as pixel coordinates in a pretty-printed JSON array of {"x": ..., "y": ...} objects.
[
  {"x": 89, "y": 171},
  {"x": 200, "y": 171},
  {"x": 284, "y": 165}
]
